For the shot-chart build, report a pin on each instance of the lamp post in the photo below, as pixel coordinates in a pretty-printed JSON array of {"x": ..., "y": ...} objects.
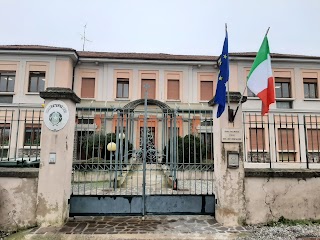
[
  {"x": 121, "y": 137},
  {"x": 112, "y": 147}
]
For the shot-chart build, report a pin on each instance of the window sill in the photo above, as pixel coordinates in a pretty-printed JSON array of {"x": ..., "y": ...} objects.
[
  {"x": 258, "y": 151},
  {"x": 7, "y": 93},
  {"x": 285, "y": 99},
  {"x": 32, "y": 93},
  {"x": 31, "y": 147},
  {"x": 172, "y": 100},
  {"x": 88, "y": 99},
  {"x": 311, "y": 99},
  {"x": 204, "y": 101},
  {"x": 253, "y": 98},
  {"x": 122, "y": 99},
  {"x": 286, "y": 151}
]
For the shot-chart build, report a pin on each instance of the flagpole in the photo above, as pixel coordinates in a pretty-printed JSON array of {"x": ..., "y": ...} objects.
[
  {"x": 228, "y": 81},
  {"x": 230, "y": 112},
  {"x": 267, "y": 31},
  {"x": 245, "y": 87}
]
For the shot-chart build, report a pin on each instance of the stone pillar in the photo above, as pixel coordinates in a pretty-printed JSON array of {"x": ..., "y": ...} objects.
[
  {"x": 229, "y": 189},
  {"x": 56, "y": 156}
]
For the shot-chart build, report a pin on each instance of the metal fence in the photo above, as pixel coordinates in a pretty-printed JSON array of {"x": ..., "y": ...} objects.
[
  {"x": 20, "y": 133},
  {"x": 282, "y": 139},
  {"x": 110, "y": 143}
]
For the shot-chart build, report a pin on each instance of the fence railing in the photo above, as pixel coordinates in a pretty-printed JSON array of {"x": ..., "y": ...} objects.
[
  {"x": 287, "y": 140},
  {"x": 20, "y": 133},
  {"x": 109, "y": 148}
]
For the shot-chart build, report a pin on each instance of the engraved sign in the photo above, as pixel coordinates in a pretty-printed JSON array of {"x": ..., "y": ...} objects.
[
  {"x": 231, "y": 135},
  {"x": 56, "y": 115}
]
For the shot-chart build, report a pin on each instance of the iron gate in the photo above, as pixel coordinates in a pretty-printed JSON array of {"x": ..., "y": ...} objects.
[{"x": 144, "y": 158}]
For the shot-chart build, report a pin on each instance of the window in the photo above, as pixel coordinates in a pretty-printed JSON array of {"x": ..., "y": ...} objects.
[
  {"x": 257, "y": 139},
  {"x": 32, "y": 135},
  {"x": 206, "y": 90},
  {"x": 283, "y": 90},
  {"x": 36, "y": 81},
  {"x": 286, "y": 138},
  {"x": 122, "y": 87},
  {"x": 310, "y": 87},
  {"x": 4, "y": 139},
  {"x": 313, "y": 139},
  {"x": 250, "y": 94},
  {"x": 87, "y": 87},
  {"x": 151, "y": 90},
  {"x": 85, "y": 120},
  {"x": 286, "y": 144},
  {"x": 6, "y": 99},
  {"x": 4, "y": 134},
  {"x": 173, "y": 89},
  {"x": 207, "y": 122},
  {"x": 7, "y": 80}
]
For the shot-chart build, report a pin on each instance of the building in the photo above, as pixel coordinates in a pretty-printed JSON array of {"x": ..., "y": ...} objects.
[
  {"x": 185, "y": 169},
  {"x": 108, "y": 81}
]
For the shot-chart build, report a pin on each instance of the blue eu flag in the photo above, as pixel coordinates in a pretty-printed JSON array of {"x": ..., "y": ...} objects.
[{"x": 223, "y": 64}]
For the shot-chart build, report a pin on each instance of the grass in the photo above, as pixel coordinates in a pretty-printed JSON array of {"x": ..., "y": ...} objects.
[{"x": 288, "y": 222}]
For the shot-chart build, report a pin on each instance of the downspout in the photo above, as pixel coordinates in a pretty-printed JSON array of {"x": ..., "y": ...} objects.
[{"x": 73, "y": 71}]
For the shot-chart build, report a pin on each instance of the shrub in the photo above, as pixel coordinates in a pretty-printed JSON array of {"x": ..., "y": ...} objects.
[
  {"x": 188, "y": 150},
  {"x": 96, "y": 145}
]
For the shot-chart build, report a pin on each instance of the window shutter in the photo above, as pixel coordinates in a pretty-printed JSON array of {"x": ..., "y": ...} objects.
[
  {"x": 286, "y": 139},
  {"x": 173, "y": 90},
  {"x": 313, "y": 139},
  {"x": 257, "y": 139},
  {"x": 206, "y": 90},
  {"x": 151, "y": 89},
  {"x": 88, "y": 88}
]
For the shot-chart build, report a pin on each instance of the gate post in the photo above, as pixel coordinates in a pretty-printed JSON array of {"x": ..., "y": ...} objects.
[
  {"x": 228, "y": 171},
  {"x": 57, "y": 147}
]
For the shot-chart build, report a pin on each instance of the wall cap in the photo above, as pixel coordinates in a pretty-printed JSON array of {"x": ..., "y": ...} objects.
[
  {"x": 60, "y": 93},
  {"x": 19, "y": 172},
  {"x": 282, "y": 173}
]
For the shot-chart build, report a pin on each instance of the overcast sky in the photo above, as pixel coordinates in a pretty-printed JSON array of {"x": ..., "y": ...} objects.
[{"x": 166, "y": 26}]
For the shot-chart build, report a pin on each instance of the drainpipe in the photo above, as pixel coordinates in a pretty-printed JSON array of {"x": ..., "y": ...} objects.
[{"x": 74, "y": 70}]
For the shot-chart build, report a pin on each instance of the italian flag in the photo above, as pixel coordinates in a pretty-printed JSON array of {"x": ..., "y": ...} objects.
[{"x": 260, "y": 79}]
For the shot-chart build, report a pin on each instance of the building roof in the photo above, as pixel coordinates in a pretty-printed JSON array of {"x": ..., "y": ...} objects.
[
  {"x": 145, "y": 56},
  {"x": 273, "y": 55},
  {"x": 34, "y": 48}
]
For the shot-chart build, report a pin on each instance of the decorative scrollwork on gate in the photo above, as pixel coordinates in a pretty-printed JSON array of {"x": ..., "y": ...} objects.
[{"x": 150, "y": 147}]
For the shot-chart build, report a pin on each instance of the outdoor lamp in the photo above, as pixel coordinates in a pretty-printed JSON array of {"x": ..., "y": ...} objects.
[
  {"x": 111, "y": 147},
  {"x": 122, "y": 136}
]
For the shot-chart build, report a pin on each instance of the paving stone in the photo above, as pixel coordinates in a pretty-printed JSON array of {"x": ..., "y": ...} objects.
[
  {"x": 66, "y": 229},
  {"x": 71, "y": 224},
  {"x": 81, "y": 226},
  {"x": 135, "y": 225}
]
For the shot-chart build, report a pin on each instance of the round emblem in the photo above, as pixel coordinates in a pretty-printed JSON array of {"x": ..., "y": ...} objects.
[
  {"x": 56, "y": 115},
  {"x": 55, "y": 118}
]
